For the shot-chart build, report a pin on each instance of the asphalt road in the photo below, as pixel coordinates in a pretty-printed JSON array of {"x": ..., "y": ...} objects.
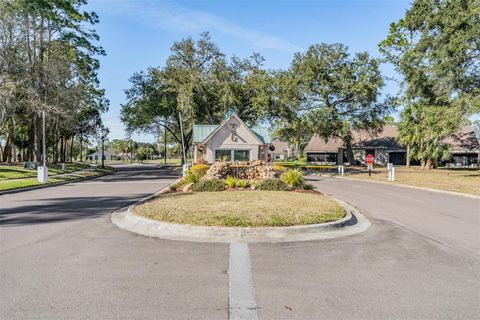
[{"x": 60, "y": 257}]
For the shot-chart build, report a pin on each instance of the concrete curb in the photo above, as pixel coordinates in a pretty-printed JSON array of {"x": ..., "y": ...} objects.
[
  {"x": 54, "y": 184},
  {"x": 353, "y": 223},
  {"x": 453, "y": 193}
]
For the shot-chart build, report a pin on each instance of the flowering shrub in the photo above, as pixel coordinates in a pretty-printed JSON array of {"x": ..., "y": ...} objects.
[{"x": 199, "y": 169}]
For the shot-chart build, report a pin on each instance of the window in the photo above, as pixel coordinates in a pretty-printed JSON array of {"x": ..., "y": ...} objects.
[
  {"x": 321, "y": 157},
  {"x": 241, "y": 155},
  {"x": 232, "y": 155},
  {"x": 223, "y": 155}
]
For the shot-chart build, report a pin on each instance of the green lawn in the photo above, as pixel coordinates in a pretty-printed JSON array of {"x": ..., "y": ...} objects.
[
  {"x": 458, "y": 180},
  {"x": 9, "y": 184},
  {"x": 242, "y": 208},
  {"x": 18, "y": 172}
]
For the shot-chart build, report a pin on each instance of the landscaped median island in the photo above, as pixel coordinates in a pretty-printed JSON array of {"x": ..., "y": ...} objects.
[
  {"x": 241, "y": 195},
  {"x": 247, "y": 201},
  {"x": 242, "y": 208}
]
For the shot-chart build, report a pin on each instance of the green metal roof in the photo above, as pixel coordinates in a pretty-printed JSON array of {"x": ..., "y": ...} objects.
[
  {"x": 263, "y": 134},
  {"x": 201, "y": 132}
]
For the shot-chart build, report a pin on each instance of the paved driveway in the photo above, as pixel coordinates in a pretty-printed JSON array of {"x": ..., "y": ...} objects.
[{"x": 60, "y": 257}]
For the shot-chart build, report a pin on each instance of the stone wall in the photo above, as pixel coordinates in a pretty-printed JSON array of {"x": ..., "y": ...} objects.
[{"x": 248, "y": 170}]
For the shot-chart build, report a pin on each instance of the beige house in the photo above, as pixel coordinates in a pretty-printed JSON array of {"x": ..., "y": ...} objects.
[
  {"x": 231, "y": 140},
  {"x": 283, "y": 150},
  {"x": 384, "y": 146}
]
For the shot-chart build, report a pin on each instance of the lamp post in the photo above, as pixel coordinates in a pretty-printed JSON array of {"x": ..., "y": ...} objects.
[
  {"x": 42, "y": 171},
  {"x": 105, "y": 133}
]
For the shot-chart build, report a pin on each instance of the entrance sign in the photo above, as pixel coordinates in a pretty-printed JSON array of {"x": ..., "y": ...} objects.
[{"x": 370, "y": 160}]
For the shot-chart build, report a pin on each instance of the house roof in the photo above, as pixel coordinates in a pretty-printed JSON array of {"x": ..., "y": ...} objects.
[
  {"x": 385, "y": 139},
  {"x": 201, "y": 133},
  {"x": 463, "y": 141},
  {"x": 318, "y": 144},
  {"x": 280, "y": 145}
]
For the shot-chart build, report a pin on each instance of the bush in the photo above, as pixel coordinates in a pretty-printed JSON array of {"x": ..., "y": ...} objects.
[
  {"x": 279, "y": 168},
  {"x": 192, "y": 177},
  {"x": 242, "y": 184},
  {"x": 308, "y": 186},
  {"x": 254, "y": 184},
  {"x": 272, "y": 184},
  {"x": 293, "y": 178},
  {"x": 319, "y": 167},
  {"x": 231, "y": 182},
  {"x": 212, "y": 184},
  {"x": 199, "y": 169},
  {"x": 174, "y": 186}
]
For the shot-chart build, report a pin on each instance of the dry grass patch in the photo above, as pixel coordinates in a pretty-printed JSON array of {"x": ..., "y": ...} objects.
[
  {"x": 242, "y": 208},
  {"x": 466, "y": 181}
]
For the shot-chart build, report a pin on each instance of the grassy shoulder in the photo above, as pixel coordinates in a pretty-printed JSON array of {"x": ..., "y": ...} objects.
[
  {"x": 242, "y": 208},
  {"x": 9, "y": 184},
  {"x": 458, "y": 180},
  {"x": 18, "y": 172}
]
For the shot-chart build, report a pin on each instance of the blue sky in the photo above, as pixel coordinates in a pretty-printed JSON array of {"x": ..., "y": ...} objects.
[{"x": 137, "y": 34}]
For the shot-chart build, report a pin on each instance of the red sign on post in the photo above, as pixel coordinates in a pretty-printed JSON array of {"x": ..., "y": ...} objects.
[{"x": 370, "y": 159}]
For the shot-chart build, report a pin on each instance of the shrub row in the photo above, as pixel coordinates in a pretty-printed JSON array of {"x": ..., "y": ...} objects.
[{"x": 289, "y": 179}]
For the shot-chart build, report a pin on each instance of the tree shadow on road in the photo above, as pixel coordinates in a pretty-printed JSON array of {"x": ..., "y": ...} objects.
[{"x": 65, "y": 209}]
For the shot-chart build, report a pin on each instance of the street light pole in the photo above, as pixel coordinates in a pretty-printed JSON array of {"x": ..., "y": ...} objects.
[
  {"x": 42, "y": 171},
  {"x": 183, "y": 142},
  {"x": 103, "y": 150},
  {"x": 44, "y": 147},
  {"x": 165, "y": 140}
]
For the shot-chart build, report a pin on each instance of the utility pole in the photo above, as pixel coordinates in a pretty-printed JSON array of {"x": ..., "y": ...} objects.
[
  {"x": 183, "y": 142},
  {"x": 44, "y": 147},
  {"x": 103, "y": 150},
  {"x": 165, "y": 140},
  {"x": 42, "y": 171}
]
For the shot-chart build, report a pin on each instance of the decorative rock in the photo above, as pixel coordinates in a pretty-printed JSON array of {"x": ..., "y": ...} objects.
[
  {"x": 188, "y": 187},
  {"x": 255, "y": 170}
]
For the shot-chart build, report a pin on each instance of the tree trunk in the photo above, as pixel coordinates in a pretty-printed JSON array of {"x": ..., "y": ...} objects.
[
  {"x": 348, "y": 144},
  {"x": 71, "y": 148},
  {"x": 81, "y": 147},
  {"x": 428, "y": 164},
  {"x": 62, "y": 154},
  {"x": 407, "y": 163},
  {"x": 37, "y": 138}
]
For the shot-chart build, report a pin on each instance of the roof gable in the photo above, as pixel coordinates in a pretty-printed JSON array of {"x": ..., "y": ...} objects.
[{"x": 203, "y": 133}]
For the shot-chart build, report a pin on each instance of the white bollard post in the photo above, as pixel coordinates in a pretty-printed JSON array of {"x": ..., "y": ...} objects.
[
  {"x": 342, "y": 169},
  {"x": 393, "y": 173}
]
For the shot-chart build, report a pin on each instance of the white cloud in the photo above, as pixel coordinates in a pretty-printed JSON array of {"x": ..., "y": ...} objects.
[{"x": 172, "y": 16}]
